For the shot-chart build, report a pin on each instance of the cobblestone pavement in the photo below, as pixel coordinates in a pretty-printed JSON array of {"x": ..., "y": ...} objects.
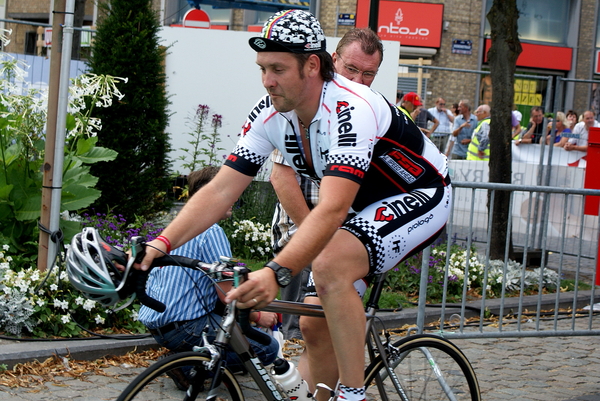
[{"x": 526, "y": 368}]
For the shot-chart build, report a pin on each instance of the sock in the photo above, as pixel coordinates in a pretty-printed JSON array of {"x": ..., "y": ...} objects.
[{"x": 351, "y": 393}]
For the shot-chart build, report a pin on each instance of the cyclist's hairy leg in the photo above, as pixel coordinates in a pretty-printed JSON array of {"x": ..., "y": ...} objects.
[
  {"x": 343, "y": 261},
  {"x": 319, "y": 349}
]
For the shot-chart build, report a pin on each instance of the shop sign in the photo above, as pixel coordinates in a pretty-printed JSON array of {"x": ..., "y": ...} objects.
[{"x": 403, "y": 22}]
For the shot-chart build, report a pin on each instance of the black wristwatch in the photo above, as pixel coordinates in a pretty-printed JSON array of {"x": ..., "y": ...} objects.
[{"x": 283, "y": 275}]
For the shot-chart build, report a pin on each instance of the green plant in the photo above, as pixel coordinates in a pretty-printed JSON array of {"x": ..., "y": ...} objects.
[
  {"x": 127, "y": 44},
  {"x": 250, "y": 240},
  {"x": 54, "y": 308},
  {"x": 205, "y": 150},
  {"x": 22, "y": 145}
]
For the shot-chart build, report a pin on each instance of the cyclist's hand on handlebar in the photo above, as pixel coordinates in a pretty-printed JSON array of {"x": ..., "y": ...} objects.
[
  {"x": 256, "y": 292},
  {"x": 151, "y": 254}
]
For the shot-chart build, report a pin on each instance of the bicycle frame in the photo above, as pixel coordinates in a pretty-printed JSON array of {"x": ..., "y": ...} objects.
[{"x": 231, "y": 334}]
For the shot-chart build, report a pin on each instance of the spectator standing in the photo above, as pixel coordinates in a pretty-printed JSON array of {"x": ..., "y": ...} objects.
[
  {"x": 455, "y": 110},
  {"x": 535, "y": 129},
  {"x": 579, "y": 140},
  {"x": 573, "y": 118},
  {"x": 444, "y": 117},
  {"x": 479, "y": 148},
  {"x": 422, "y": 118},
  {"x": 562, "y": 128},
  {"x": 464, "y": 125},
  {"x": 409, "y": 103},
  {"x": 517, "y": 116}
]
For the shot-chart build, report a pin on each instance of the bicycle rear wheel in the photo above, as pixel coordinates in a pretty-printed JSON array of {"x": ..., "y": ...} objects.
[
  {"x": 422, "y": 367},
  {"x": 170, "y": 379}
]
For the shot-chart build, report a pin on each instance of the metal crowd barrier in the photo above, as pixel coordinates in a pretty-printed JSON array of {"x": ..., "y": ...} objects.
[{"x": 549, "y": 310}]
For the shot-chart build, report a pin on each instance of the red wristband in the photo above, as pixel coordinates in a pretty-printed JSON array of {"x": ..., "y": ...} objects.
[
  {"x": 257, "y": 317},
  {"x": 165, "y": 241}
]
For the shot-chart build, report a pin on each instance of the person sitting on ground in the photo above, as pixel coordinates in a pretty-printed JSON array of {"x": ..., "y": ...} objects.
[
  {"x": 191, "y": 299},
  {"x": 562, "y": 127}
]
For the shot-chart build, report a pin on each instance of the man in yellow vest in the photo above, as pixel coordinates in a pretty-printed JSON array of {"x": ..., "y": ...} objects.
[{"x": 479, "y": 148}]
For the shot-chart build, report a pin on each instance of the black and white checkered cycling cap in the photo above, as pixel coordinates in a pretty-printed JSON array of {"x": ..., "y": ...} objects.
[{"x": 294, "y": 31}]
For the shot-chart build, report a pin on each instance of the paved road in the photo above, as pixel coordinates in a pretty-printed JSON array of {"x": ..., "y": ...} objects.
[{"x": 531, "y": 368}]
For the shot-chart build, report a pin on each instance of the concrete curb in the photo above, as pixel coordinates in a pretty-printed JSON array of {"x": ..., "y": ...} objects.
[{"x": 13, "y": 352}]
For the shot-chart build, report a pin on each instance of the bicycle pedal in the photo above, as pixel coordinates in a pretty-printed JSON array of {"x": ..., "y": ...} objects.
[{"x": 325, "y": 387}]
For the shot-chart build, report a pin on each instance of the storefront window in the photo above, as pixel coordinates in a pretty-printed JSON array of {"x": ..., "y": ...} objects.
[{"x": 540, "y": 20}]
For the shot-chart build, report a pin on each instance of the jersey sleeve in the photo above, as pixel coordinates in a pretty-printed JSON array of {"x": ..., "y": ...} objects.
[{"x": 253, "y": 148}]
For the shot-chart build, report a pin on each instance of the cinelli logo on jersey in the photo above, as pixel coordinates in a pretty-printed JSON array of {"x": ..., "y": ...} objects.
[
  {"x": 403, "y": 165},
  {"x": 400, "y": 207},
  {"x": 346, "y": 137},
  {"x": 290, "y": 142},
  {"x": 263, "y": 104}
]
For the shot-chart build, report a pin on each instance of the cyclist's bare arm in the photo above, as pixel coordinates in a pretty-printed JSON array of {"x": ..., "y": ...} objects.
[
  {"x": 204, "y": 209},
  {"x": 283, "y": 179},
  {"x": 336, "y": 197}
]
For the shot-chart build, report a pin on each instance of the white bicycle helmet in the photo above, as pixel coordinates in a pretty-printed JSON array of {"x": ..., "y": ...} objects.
[{"x": 91, "y": 269}]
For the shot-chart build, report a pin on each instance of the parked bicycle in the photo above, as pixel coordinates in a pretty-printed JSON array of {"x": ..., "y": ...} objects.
[{"x": 417, "y": 367}]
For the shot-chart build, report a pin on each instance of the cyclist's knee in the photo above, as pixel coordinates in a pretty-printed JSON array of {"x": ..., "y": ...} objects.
[{"x": 314, "y": 330}]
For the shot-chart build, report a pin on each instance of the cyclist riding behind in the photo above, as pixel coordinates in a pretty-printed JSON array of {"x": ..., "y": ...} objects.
[{"x": 369, "y": 159}]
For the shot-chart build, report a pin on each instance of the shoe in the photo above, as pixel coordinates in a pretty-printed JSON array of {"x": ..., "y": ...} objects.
[
  {"x": 179, "y": 379},
  {"x": 595, "y": 307},
  {"x": 177, "y": 375}
]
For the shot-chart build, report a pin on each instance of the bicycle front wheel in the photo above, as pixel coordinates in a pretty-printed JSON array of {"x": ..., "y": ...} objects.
[
  {"x": 181, "y": 376},
  {"x": 422, "y": 367}
]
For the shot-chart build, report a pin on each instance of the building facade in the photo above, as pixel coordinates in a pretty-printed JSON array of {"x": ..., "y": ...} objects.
[{"x": 561, "y": 42}]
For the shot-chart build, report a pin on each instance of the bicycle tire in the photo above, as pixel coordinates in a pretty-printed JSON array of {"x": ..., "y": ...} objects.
[
  {"x": 154, "y": 383},
  {"x": 418, "y": 376}
]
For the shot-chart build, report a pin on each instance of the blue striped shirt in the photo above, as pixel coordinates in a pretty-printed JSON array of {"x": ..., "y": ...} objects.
[{"x": 187, "y": 293}]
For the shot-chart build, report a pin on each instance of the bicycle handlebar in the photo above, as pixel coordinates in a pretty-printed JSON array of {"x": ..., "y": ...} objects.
[{"x": 136, "y": 282}]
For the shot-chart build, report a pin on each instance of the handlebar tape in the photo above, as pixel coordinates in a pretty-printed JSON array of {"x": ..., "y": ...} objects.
[
  {"x": 250, "y": 332},
  {"x": 139, "y": 278}
]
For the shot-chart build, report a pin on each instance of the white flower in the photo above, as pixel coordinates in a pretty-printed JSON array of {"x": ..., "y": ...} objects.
[
  {"x": 61, "y": 304},
  {"x": 88, "y": 305},
  {"x": 5, "y": 247},
  {"x": 79, "y": 300},
  {"x": 40, "y": 302},
  {"x": 134, "y": 315},
  {"x": 65, "y": 318},
  {"x": 53, "y": 287},
  {"x": 99, "y": 319}
]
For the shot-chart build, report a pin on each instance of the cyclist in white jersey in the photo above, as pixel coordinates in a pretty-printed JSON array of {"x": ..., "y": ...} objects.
[{"x": 369, "y": 158}]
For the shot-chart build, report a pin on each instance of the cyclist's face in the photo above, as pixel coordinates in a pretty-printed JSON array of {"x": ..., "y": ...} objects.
[
  {"x": 356, "y": 65},
  {"x": 283, "y": 79}
]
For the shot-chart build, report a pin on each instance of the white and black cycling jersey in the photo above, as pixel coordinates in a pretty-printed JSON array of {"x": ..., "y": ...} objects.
[{"x": 356, "y": 134}]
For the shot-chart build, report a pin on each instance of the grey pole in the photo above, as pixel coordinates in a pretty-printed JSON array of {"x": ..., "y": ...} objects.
[{"x": 61, "y": 126}]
